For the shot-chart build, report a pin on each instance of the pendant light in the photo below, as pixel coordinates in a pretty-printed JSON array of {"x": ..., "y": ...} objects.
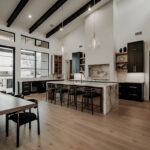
[
  {"x": 62, "y": 16},
  {"x": 94, "y": 34},
  {"x": 61, "y": 29}
]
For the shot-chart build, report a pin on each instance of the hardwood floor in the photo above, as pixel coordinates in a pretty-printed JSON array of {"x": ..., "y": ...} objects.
[{"x": 126, "y": 128}]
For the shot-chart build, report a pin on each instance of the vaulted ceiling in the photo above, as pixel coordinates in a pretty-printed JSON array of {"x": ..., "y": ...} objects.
[{"x": 37, "y": 8}]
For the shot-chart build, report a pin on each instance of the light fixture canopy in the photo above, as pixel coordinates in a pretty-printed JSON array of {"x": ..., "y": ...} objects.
[{"x": 29, "y": 16}]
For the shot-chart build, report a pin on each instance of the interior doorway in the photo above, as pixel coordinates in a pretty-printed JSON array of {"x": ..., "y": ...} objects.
[{"x": 7, "y": 69}]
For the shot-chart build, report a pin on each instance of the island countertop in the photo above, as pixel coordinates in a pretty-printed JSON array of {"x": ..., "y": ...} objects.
[
  {"x": 109, "y": 92},
  {"x": 79, "y": 83}
]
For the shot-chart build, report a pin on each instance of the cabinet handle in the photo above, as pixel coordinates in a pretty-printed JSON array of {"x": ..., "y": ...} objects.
[
  {"x": 134, "y": 49},
  {"x": 133, "y": 87},
  {"x": 133, "y": 94}
]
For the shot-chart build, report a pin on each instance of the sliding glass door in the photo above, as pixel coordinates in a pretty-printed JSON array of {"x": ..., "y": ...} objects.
[{"x": 7, "y": 71}]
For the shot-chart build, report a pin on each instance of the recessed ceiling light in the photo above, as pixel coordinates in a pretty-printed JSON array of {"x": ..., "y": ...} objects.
[{"x": 29, "y": 16}]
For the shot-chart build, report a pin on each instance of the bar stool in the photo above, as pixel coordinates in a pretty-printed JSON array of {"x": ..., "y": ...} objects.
[
  {"x": 50, "y": 89},
  {"x": 73, "y": 91},
  {"x": 60, "y": 89},
  {"x": 90, "y": 94}
]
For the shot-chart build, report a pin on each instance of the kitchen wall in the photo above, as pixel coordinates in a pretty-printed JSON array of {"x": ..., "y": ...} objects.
[
  {"x": 116, "y": 25},
  {"x": 54, "y": 47},
  {"x": 133, "y": 16},
  {"x": 104, "y": 51}
]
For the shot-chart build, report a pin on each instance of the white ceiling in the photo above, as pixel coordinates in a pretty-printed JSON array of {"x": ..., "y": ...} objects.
[{"x": 37, "y": 8}]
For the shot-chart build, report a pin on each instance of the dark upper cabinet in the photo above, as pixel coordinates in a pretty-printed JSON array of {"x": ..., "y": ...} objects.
[
  {"x": 136, "y": 57},
  {"x": 76, "y": 62}
]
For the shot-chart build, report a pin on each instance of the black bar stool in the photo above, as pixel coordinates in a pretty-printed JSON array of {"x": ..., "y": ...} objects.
[
  {"x": 89, "y": 94},
  {"x": 50, "y": 90},
  {"x": 73, "y": 91},
  {"x": 60, "y": 89}
]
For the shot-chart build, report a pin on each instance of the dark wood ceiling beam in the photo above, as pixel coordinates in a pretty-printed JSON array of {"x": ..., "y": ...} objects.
[
  {"x": 16, "y": 12},
  {"x": 72, "y": 17},
  {"x": 56, "y": 6}
]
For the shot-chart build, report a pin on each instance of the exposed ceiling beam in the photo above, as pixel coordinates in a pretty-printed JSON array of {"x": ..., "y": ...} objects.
[
  {"x": 16, "y": 12},
  {"x": 56, "y": 6},
  {"x": 72, "y": 17}
]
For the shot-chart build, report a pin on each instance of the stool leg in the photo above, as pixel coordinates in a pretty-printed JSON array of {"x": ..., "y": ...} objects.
[
  {"x": 101, "y": 104},
  {"x": 92, "y": 105},
  {"x": 61, "y": 98},
  {"x": 7, "y": 125},
  {"x": 68, "y": 100},
  {"x": 55, "y": 97},
  {"x": 82, "y": 103},
  {"x": 17, "y": 138}
]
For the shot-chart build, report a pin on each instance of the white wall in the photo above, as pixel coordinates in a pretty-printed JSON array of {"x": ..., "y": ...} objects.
[
  {"x": 133, "y": 16},
  {"x": 104, "y": 52},
  {"x": 54, "y": 47}
]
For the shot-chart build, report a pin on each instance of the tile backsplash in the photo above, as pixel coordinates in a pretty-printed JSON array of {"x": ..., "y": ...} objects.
[{"x": 99, "y": 71}]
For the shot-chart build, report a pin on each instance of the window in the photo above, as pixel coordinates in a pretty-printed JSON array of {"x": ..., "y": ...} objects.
[
  {"x": 7, "y": 36},
  {"x": 42, "y": 67},
  {"x": 34, "y": 42},
  {"x": 34, "y": 64},
  {"x": 27, "y": 64},
  {"x": 42, "y": 44}
]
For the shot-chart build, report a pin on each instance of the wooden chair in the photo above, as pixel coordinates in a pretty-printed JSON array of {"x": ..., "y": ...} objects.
[{"x": 22, "y": 118}]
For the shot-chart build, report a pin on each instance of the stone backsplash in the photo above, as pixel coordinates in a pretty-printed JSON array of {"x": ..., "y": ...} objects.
[{"x": 99, "y": 71}]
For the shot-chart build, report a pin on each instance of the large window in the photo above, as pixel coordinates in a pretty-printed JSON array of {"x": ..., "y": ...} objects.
[
  {"x": 34, "y": 64},
  {"x": 27, "y": 64},
  {"x": 7, "y": 36},
  {"x": 34, "y": 42}
]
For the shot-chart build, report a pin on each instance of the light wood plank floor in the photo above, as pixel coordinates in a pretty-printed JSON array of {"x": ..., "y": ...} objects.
[{"x": 126, "y": 128}]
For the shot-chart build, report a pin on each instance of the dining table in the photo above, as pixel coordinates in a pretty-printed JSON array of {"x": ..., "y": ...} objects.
[{"x": 11, "y": 104}]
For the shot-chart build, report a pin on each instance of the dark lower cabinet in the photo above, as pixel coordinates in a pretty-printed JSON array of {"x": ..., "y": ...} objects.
[
  {"x": 131, "y": 91},
  {"x": 26, "y": 88}
]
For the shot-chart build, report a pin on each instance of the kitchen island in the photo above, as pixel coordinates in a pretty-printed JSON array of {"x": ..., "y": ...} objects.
[{"x": 109, "y": 92}]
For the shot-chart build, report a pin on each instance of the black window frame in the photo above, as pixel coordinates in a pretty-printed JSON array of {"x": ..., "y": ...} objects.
[
  {"x": 36, "y": 40},
  {"x": 35, "y": 63},
  {"x": 11, "y": 33}
]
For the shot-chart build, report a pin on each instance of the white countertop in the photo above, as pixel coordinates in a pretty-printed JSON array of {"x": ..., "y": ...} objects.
[
  {"x": 37, "y": 79},
  {"x": 108, "y": 81},
  {"x": 90, "y": 84}
]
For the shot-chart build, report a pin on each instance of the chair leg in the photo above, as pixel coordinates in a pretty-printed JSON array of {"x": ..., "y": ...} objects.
[
  {"x": 38, "y": 126},
  {"x": 7, "y": 125},
  {"x": 29, "y": 125},
  {"x": 17, "y": 138}
]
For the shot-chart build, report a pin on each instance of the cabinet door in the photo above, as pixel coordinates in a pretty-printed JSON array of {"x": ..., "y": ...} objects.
[
  {"x": 136, "y": 57},
  {"x": 75, "y": 62}
]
